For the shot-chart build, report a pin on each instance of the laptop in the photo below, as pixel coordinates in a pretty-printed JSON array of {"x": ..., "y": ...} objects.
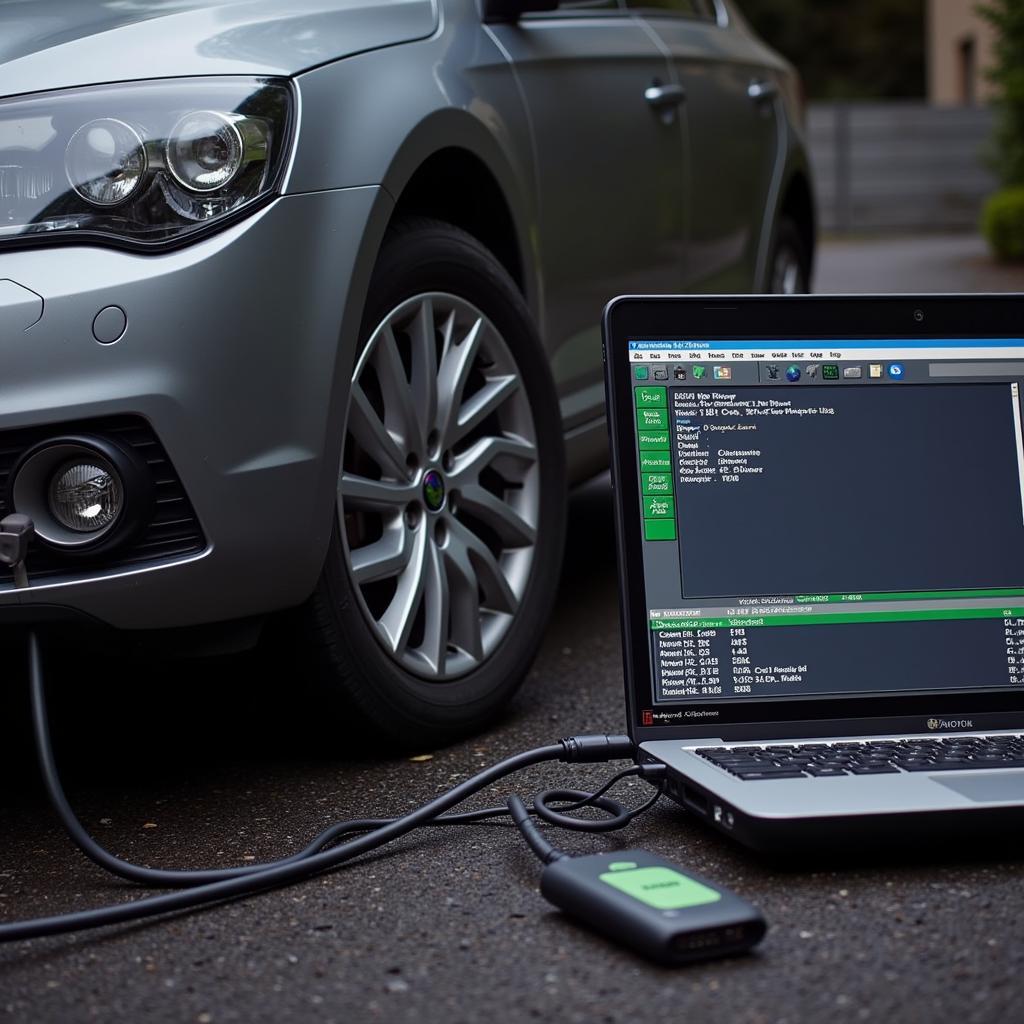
[{"x": 820, "y": 517}]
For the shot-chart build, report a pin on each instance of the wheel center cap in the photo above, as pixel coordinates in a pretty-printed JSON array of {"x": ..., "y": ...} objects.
[{"x": 433, "y": 490}]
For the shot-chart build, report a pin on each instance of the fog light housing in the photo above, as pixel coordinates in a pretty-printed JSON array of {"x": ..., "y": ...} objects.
[{"x": 86, "y": 495}]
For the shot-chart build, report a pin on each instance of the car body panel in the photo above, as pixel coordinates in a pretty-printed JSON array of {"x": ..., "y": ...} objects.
[
  {"x": 58, "y": 44},
  {"x": 376, "y": 118},
  {"x": 609, "y": 178},
  {"x": 246, "y": 394},
  {"x": 733, "y": 142}
]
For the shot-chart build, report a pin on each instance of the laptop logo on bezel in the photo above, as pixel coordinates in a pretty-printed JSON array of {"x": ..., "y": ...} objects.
[{"x": 955, "y": 723}]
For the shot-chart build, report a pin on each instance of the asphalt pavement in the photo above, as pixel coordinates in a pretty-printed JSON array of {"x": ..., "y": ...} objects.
[
  {"x": 913, "y": 263},
  {"x": 200, "y": 765}
]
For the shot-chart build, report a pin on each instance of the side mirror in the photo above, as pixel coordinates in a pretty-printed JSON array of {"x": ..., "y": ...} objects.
[{"x": 510, "y": 10}]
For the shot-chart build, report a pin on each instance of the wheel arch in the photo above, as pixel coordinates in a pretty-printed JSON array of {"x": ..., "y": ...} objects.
[
  {"x": 453, "y": 168},
  {"x": 454, "y": 185}
]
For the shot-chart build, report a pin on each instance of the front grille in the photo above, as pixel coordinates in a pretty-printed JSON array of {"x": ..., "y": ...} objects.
[{"x": 172, "y": 532}]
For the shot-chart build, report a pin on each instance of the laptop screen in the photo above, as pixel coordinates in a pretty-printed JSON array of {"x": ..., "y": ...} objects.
[{"x": 828, "y": 519}]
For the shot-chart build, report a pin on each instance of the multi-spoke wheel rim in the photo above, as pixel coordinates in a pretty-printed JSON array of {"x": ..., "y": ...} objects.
[{"x": 439, "y": 493}]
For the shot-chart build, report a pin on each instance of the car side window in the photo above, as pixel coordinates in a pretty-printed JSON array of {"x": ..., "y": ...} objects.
[
  {"x": 679, "y": 8},
  {"x": 588, "y": 5}
]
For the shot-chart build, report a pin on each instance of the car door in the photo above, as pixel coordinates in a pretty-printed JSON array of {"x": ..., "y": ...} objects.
[
  {"x": 732, "y": 126},
  {"x": 609, "y": 176}
]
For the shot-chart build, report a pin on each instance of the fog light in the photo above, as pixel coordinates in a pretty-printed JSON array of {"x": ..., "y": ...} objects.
[
  {"x": 83, "y": 492},
  {"x": 86, "y": 495}
]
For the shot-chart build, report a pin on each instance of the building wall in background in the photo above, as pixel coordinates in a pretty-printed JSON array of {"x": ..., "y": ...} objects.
[{"x": 959, "y": 51}]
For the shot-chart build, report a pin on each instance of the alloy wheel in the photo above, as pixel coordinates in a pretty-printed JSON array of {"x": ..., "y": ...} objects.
[{"x": 439, "y": 493}]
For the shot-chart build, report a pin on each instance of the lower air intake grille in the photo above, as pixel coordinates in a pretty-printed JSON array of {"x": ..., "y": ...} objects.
[{"x": 174, "y": 530}]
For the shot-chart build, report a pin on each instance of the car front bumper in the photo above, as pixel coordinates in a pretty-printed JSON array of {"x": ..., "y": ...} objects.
[{"x": 236, "y": 353}]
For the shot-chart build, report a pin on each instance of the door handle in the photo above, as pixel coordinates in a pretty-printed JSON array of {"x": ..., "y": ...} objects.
[
  {"x": 663, "y": 97},
  {"x": 762, "y": 90}
]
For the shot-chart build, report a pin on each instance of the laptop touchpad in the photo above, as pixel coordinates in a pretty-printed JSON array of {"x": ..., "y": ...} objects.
[{"x": 1004, "y": 786}]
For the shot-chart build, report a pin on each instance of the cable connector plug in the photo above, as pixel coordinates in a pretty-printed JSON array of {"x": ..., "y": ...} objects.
[
  {"x": 16, "y": 531},
  {"x": 652, "y": 773},
  {"x": 587, "y": 749}
]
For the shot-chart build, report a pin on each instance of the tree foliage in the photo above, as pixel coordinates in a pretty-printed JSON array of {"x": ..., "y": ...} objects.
[
  {"x": 1008, "y": 74},
  {"x": 849, "y": 49}
]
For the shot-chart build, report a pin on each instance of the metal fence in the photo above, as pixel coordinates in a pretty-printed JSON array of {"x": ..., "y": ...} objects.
[{"x": 899, "y": 165}]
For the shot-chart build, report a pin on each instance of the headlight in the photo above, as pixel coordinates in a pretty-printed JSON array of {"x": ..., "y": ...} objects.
[
  {"x": 145, "y": 165},
  {"x": 105, "y": 161},
  {"x": 205, "y": 151}
]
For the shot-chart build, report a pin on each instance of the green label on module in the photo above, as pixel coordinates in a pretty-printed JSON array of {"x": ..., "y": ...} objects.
[{"x": 661, "y": 888}]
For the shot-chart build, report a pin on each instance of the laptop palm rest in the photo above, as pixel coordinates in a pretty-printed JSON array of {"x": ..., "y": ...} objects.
[{"x": 1008, "y": 785}]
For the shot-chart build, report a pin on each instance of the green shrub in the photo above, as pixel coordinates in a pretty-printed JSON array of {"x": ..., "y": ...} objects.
[
  {"x": 1002, "y": 223},
  {"x": 1007, "y": 17}
]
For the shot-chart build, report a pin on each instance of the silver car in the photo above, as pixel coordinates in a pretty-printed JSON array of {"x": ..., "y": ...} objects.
[{"x": 299, "y": 307}]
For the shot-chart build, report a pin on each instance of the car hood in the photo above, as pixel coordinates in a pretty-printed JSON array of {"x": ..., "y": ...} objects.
[{"x": 53, "y": 44}]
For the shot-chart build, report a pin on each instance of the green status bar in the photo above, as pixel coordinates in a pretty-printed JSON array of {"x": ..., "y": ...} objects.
[
  {"x": 908, "y": 595},
  {"x": 835, "y": 618}
]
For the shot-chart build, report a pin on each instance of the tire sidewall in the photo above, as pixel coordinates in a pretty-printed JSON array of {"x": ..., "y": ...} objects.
[
  {"x": 439, "y": 258},
  {"x": 787, "y": 236}
]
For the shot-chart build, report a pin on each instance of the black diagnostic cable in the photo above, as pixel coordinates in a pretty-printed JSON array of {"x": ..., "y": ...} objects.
[
  {"x": 213, "y": 886},
  {"x": 535, "y": 840},
  {"x": 632, "y": 896},
  {"x": 619, "y": 816}
]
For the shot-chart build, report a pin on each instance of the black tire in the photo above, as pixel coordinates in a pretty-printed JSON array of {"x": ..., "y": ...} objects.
[
  {"x": 789, "y": 268},
  {"x": 357, "y": 676}
]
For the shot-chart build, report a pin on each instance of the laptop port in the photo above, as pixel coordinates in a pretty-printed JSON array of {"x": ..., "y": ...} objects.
[{"x": 695, "y": 801}]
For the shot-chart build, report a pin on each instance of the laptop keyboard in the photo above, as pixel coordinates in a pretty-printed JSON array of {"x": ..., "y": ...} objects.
[{"x": 868, "y": 757}]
